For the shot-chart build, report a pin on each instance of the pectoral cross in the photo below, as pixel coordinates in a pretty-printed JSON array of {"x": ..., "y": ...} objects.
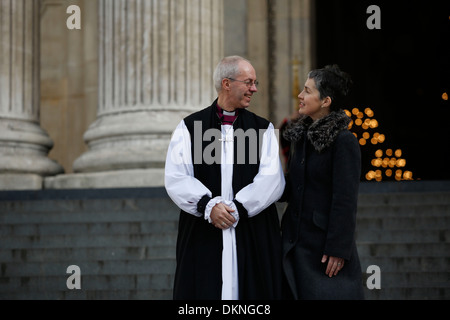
[{"x": 227, "y": 139}]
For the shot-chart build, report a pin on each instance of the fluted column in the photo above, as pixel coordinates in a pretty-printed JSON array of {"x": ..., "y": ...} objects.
[
  {"x": 24, "y": 145},
  {"x": 156, "y": 64}
]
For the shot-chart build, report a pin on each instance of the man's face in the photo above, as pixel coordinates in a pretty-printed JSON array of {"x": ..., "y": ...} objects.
[{"x": 241, "y": 93}]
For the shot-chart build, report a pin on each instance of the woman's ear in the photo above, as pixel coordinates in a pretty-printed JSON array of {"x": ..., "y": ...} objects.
[{"x": 326, "y": 102}]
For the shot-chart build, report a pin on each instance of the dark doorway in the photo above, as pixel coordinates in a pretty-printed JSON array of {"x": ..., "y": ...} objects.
[{"x": 401, "y": 72}]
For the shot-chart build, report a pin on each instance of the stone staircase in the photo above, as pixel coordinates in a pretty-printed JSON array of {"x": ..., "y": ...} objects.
[
  {"x": 123, "y": 241},
  {"x": 407, "y": 235}
]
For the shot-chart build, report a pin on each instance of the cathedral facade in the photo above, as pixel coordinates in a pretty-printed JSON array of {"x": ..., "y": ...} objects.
[{"x": 92, "y": 90}]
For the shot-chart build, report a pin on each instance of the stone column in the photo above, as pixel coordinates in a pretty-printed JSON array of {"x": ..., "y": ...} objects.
[
  {"x": 24, "y": 145},
  {"x": 156, "y": 64},
  {"x": 292, "y": 54}
]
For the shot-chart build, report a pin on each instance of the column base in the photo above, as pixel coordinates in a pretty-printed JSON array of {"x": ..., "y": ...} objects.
[
  {"x": 126, "y": 141},
  {"x": 16, "y": 182},
  {"x": 24, "y": 147},
  {"x": 133, "y": 178}
]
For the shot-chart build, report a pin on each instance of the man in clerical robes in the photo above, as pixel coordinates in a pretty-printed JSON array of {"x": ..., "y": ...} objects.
[{"x": 224, "y": 172}]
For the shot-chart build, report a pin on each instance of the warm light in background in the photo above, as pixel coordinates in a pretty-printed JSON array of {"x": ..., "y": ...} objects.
[
  {"x": 379, "y": 153},
  {"x": 445, "y": 96},
  {"x": 401, "y": 163},
  {"x": 369, "y": 112},
  {"x": 407, "y": 175},
  {"x": 387, "y": 162}
]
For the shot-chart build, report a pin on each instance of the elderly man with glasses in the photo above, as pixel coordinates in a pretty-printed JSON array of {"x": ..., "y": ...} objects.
[{"x": 224, "y": 172}]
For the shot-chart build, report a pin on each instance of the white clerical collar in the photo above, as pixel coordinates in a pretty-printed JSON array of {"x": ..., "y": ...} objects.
[{"x": 227, "y": 113}]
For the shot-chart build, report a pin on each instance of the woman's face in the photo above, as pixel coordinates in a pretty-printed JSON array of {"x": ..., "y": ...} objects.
[{"x": 310, "y": 103}]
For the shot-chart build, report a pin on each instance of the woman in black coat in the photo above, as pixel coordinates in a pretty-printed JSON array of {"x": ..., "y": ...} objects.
[{"x": 320, "y": 258}]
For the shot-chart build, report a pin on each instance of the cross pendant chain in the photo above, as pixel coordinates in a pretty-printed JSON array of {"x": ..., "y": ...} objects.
[{"x": 226, "y": 138}]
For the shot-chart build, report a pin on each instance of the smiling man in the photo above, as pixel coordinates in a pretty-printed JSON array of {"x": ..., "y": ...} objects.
[{"x": 229, "y": 242}]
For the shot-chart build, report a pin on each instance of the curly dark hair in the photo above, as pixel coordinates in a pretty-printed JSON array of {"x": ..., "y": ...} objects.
[{"x": 332, "y": 82}]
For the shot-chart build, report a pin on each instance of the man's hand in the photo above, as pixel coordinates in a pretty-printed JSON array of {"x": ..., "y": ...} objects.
[{"x": 220, "y": 216}]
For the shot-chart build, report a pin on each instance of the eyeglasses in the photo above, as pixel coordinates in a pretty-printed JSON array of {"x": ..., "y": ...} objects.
[{"x": 249, "y": 83}]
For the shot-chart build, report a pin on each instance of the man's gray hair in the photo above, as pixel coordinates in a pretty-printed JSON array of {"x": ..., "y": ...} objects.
[{"x": 227, "y": 68}]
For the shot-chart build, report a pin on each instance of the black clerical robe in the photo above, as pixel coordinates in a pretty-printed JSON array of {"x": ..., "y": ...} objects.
[{"x": 258, "y": 240}]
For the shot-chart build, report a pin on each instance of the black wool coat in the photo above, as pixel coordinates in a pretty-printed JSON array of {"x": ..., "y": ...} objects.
[{"x": 322, "y": 191}]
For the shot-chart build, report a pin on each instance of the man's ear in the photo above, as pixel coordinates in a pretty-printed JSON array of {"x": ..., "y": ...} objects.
[{"x": 226, "y": 84}]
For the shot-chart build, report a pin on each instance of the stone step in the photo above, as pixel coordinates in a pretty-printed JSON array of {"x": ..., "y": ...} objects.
[
  {"x": 366, "y": 232},
  {"x": 408, "y": 293},
  {"x": 95, "y": 228},
  {"x": 51, "y": 283},
  {"x": 71, "y": 254},
  {"x": 141, "y": 294},
  {"x": 89, "y": 240},
  {"x": 407, "y": 264},
  {"x": 92, "y": 267},
  {"x": 393, "y": 224},
  {"x": 405, "y": 210},
  {"x": 406, "y": 250},
  {"x": 87, "y": 211},
  {"x": 413, "y": 279},
  {"x": 42, "y": 217},
  {"x": 401, "y": 199}
]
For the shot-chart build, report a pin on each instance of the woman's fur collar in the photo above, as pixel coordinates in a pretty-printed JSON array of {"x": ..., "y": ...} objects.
[{"x": 321, "y": 133}]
